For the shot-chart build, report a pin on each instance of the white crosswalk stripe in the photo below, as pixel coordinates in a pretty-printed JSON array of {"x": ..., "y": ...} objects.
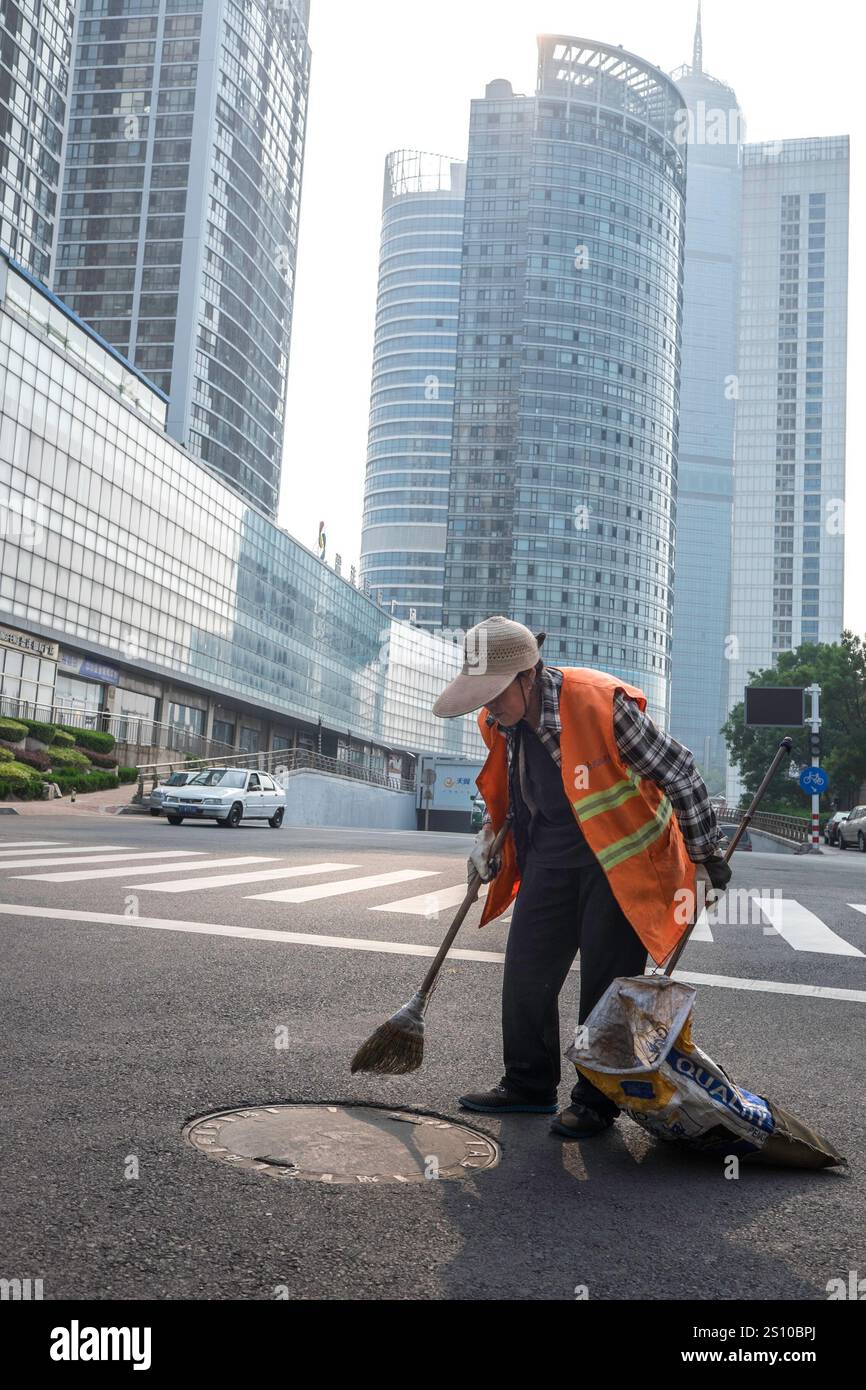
[
  {"x": 126, "y": 871},
  {"x": 97, "y": 858},
  {"x": 12, "y": 846},
  {"x": 429, "y": 904},
  {"x": 60, "y": 848},
  {"x": 190, "y": 885},
  {"x": 348, "y": 885},
  {"x": 802, "y": 929}
]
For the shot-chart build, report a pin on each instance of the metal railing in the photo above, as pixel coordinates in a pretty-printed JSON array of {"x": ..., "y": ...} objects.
[
  {"x": 142, "y": 738},
  {"x": 277, "y": 762},
  {"x": 794, "y": 828}
]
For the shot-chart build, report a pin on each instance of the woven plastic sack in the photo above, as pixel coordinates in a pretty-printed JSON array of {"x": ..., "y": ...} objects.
[{"x": 637, "y": 1047}]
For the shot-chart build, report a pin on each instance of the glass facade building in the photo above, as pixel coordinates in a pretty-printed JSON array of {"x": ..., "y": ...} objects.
[
  {"x": 713, "y": 130},
  {"x": 179, "y": 217},
  {"x": 562, "y": 509},
  {"x": 35, "y": 57},
  {"x": 122, "y": 548},
  {"x": 412, "y": 397},
  {"x": 787, "y": 561}
]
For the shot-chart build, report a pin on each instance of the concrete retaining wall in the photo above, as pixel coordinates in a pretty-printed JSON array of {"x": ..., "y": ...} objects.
[{"x": 317, "y": 798}]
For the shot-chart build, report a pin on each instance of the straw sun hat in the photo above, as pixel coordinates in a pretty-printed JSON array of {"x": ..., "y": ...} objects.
[{"x": 493, "y": 653}]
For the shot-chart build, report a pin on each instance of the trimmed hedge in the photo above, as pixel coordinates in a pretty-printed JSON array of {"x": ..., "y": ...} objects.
[
  {"x": 34, "y": 758},
  {"x": 93, "y": 739},
  {"x": 127, "y": 774},
  {"x": 62, "y": 758},
  {"x": 84, "y": 782},
  {"x": 106, "y": 760},
  {"x": 37, "y": 729},
  {"x": 68, "y": 757},
  {"x": 7, "y": 755},
  {"x": 13, "y": 731},
  {"x": 21, "y": 781},
  {"x": 21, "y": 791},
  {"x": 62, "y": 739}
]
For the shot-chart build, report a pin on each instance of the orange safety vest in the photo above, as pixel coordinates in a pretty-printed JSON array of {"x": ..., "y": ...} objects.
[{"x": 627, "y": 820}]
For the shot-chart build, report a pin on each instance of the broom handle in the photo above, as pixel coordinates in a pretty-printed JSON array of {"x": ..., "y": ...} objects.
[
  {"x": 784, "y": 747},
  {"x": 471, "y": 895}
]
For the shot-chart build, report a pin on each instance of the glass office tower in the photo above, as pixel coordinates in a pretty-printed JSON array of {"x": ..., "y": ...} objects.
[
  {"x": 412, "y": 397},
  {"x": 35, "y": 56},
  {"x": 125, "y": 560},
  {"x": 712, "y": 128},
  {"x": 179, "y": 221},
  {"x": 788, "y": 550},
  {"x": 563, "y": 475}
]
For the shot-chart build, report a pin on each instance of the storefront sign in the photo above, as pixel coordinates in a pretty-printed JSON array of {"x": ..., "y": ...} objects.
[
  {"x": 23, "y": 642},
  {"x": 92, "y": 670}
]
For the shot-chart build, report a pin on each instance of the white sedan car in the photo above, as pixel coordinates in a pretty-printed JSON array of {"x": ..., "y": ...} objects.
[{"x": 227, "y": 795}]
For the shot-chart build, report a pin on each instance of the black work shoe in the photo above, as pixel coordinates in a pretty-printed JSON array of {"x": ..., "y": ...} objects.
[
  {"x": 502, "y": 1100},
  {"x": 580, "y": 1122}
]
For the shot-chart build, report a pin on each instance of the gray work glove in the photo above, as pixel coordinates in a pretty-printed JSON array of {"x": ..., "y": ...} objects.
[{"x": 479, "y": 860}]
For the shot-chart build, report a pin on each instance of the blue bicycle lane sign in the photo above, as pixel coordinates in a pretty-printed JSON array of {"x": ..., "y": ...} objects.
[{"x": 814, "y": 781}]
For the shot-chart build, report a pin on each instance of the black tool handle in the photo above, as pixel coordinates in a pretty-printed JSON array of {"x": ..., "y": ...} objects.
[
  {"x": 784, "y": 747},
  {"x": 471, "y": 895}
]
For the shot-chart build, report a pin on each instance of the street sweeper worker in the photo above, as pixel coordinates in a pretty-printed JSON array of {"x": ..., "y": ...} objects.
[{"x": 613, "y": 846}]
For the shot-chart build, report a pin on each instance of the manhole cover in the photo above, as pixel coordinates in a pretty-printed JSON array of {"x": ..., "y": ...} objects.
[{"x": 342, "y": 1143}]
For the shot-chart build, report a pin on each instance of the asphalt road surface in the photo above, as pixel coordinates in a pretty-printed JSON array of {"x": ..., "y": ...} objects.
[{"x": 146, "y": 981}]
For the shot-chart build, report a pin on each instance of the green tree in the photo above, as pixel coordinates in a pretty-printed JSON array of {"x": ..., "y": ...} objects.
[{"x": 840, "y": 670}]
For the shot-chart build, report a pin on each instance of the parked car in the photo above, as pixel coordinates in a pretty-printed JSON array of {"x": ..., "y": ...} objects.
[
  {"x": 745, "y": 840},
  {"x": 228, "y": 795},
  {"x": 852, "y": 831},
  {"x": 158, "y": 795},
  {"x": 831, "y": 827},
  {"x": 477, "y": 816}
]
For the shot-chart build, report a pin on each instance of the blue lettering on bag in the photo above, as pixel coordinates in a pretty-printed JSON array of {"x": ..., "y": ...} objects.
[
  {"x": 641, "y": 1090},
  {"x": 742, "y": 1103}
]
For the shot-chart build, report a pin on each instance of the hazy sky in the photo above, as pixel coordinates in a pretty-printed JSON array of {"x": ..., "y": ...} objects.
[{"x": 391, "y": 74}]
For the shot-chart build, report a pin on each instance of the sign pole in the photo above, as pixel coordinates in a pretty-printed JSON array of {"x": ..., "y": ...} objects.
[{"x": 815, "y": 726}]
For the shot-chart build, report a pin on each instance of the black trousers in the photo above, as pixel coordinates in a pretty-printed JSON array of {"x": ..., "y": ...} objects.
[{"x": 557, "y": 912}]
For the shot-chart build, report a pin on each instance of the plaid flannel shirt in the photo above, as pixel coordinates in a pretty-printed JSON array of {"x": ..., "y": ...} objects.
[{"x": 644, "y": 747}]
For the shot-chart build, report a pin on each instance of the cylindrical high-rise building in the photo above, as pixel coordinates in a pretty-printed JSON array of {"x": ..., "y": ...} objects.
[
  {"x": 412, "y": 397},
  {"x": 563, "y": 474},
  {"x": 712, "y": 127},
  {"x": 179, "y": 220}
]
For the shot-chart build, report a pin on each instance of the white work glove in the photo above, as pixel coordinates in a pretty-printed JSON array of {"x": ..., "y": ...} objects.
[{"x": 479, "y": 859}]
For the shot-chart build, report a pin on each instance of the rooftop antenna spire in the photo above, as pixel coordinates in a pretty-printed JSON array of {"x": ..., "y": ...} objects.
[{"x": 698, "y": 50}]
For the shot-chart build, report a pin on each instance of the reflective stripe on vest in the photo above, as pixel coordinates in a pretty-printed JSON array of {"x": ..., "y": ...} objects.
[
  {"x": 638, "y": 839},
  {"x": 596, "y": 802}
]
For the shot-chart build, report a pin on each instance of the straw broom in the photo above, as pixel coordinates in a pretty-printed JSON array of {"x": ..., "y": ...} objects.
[{"x": 398, "y": 1045}]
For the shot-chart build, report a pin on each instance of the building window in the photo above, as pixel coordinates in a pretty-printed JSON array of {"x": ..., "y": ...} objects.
[
  {"x": 187, "y": 717},
  {"x": 249, "y": 740},
  {"x": 223, "y": 732}
]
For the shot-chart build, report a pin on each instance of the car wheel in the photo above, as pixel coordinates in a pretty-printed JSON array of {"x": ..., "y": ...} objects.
[
  {"x": 843, "y": 843},
  {"x": 861, "y": 840},
  {"x": 175, "y": 820},
  {"x": 276, "y": 820},
  {"x": 235, "y": 816},
  {"x": 154, "y": 811}
]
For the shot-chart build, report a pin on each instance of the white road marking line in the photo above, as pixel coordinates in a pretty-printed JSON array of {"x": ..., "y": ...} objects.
[
  {"x": 429, "y": 904},
  {"x": 395, "y": 948},
  {"x": 802, "y": 929},
  {"x": 346, "y": 885},
  {"x": 856, "y": 996},
  {"x": 701, "y": 931},
  {"x": 97, "y": 858},
  {"x": 61, "y": 848},
  {"x": 190, "y": 885},
  {"x": 135, "y": 869},
  {"x": 13, "y": 845}
]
